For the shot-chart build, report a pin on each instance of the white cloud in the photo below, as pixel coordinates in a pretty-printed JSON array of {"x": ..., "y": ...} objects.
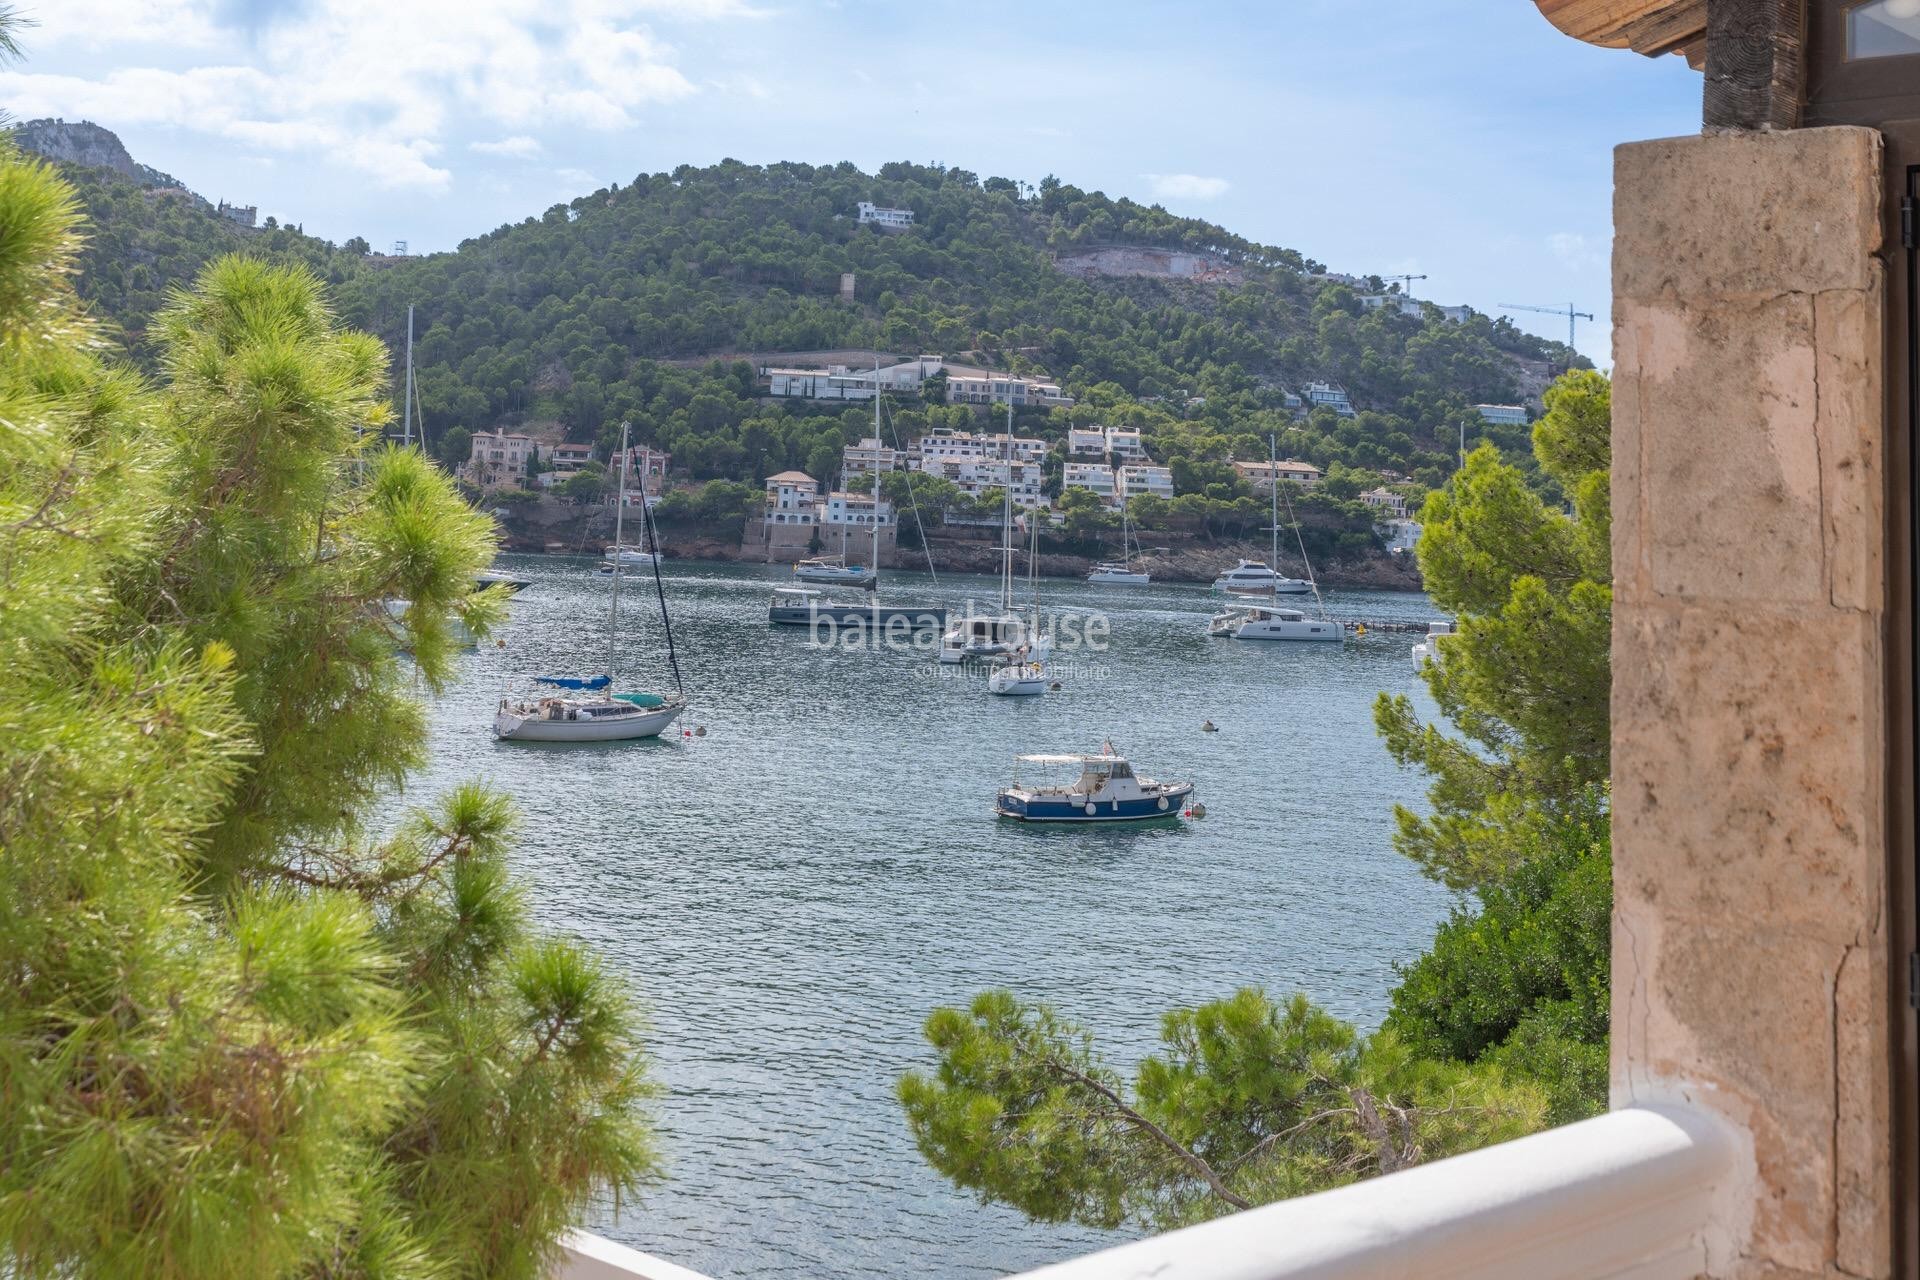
[
  {"x": 578, "y": 178},
  {"x": 519, "y": 146},
  {"x": 1186, "y": 186},
  {"x": 1578, "y": 252},
  {"x": 371, "y": 84}
]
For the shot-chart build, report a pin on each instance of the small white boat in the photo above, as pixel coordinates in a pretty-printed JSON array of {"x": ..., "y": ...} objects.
[
  {"x": 1023, "y": 676},
  {"x": 596, "y": 718},
  {"x": 1117, "y": 575},
  {"x": 629, "y": 558},
  {"x": 806, "y": 607},
  {"x": 1255, "y": 578},
  {"x": 1271, "y": 622},
  {"x": 834, "y": 571},
  {"x": 495, "y": 578},
  {"x": 1428, "y": 650},
  {"x": 1105, "y": 790},
  {"x": 1108, "y": 574}
]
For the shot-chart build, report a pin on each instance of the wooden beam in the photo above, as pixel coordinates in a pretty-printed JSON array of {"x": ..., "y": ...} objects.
[
  {"x": 1667, "y": 30},
  {"x": 1756, "y": 64}
]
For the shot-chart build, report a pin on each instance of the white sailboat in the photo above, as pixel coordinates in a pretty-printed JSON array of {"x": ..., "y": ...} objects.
[
  {"x": 587, "y": 710},
  {"x": 1123, "y": 574},
  {"x": 1273, "y": 622},
  {"x": 1023, "y": 674},
  {"x": 1256, "y": 578},
  {"x": 991, "y": 635}
]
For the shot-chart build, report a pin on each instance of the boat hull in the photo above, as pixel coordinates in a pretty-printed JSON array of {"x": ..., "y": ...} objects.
[
  {"x": 1306, "y": 632},
  {"x": 1119, "y": 579},
  {"x": 509, "y": 726},
  {"x": 854, "y": 615},
  {"x": 1021, "y": 807},
  {"x": 1017, "y": 682}
]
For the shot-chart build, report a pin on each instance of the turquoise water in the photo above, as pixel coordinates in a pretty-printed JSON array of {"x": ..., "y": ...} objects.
[{"x": 793, "y": 892}]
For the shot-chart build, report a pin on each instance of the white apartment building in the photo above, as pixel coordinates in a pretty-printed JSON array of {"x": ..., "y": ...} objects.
[
  {"x": 499, "y": 460},
  {"x": 1001, "y": 388},
  {"x": 890, "y": 219},
  {"x": 855, "y": 508},
  {"x": 569, "y": 458},
  {"x": 1086, "y": 442},
  {"x": 1125, "y": 444},
  {"x": 1261, "y": 475},
  {"x": 1132, "y": 479},
  {"x": 870, "y": 455},
  {"x": 946, "y": 444},
  {"x": 836, "y": 382},
  {"x": 1095, "y": 477},
  {"x": 1330, "y": 394},
  {"x": 1503, "y": 415},
  {"x": 1389, "y": 504},
  {"x": 974, "y": 476},
  {"x": 792, "y": 498}
]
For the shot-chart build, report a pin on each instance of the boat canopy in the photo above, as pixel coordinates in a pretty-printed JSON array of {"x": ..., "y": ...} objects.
[{"x": 574, "y": 682}]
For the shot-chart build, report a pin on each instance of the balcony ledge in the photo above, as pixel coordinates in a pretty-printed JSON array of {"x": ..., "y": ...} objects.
[{"x": 1651, "y": 1192}]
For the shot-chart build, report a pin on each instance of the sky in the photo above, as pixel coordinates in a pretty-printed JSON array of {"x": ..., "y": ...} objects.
[{"x": 1465, "y": 140}]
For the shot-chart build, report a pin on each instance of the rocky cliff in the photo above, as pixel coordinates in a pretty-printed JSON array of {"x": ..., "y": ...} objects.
[{"x": 85, "y": 143}]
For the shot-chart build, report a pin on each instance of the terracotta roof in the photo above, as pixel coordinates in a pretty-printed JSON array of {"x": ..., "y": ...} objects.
[
  {"x": 1646, "y": 26},
  {"x": 791, "y": 477}
]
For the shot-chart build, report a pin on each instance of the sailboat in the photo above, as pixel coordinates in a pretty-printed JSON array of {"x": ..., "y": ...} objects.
[
  {"x": 1252, "y": 577},
  {"x": 1023, "y": 674},
  {"x": 1122, "y": 574},
  {"x": 1275, "y": 622},
  {"x": 586, "y": 710},
  {"x": 991, "y": 635}
]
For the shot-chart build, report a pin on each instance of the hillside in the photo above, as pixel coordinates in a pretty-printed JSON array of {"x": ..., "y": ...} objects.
[{"x": 603, "y": 308}]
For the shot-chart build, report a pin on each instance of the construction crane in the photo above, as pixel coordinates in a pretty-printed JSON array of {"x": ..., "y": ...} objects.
[
  {"x": 1566, "y": 311},
  {"x": 1406, "y": 282}
]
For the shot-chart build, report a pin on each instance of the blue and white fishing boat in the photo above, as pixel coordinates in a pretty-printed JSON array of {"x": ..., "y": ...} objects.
[
  {"x": 1106, "y": 789},
  {"x": 583, "y": 708}
]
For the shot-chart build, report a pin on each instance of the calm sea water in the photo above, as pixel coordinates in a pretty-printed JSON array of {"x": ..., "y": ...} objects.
[{"x": 792, "y": 893}]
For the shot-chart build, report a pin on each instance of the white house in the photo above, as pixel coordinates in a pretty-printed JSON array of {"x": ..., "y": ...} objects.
[
  {"x": 945, "y": 444},
  {"x": 870, "y": 455},
  {"x": 977, "y": 475},
  {"x": 1330, "y": 394},
  {"x": 1095, "y": 477},
  {"x": 1261, "y": 475},
  {"x": 792, "y": 498},
  {"x": 1389, "y": 504},
  {"x": 1125, "y": 443},
  {"x": 1002, "y": 388},
  {"x": 887, "y": 219},
  {"x": 1086, "y": 442},
  {"x": 1133, "y": 479},
  {"x": 855, "y": 508},
  {"x": 1503, "y": 415},
  {"x": 499, "y": 460}
]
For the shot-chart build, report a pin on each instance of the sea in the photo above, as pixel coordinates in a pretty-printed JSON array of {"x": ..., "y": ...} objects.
[{"x": 795, "y": 877}]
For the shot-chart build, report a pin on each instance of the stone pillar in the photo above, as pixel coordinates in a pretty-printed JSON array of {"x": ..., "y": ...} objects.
[{"x": 1749, "y": 754}]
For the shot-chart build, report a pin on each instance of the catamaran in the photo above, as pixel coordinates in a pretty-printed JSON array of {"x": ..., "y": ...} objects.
[
  {"x": 1271, "y": 622},
  {"x": 1105, "y": 790},
  {"x": 585, "y": 709}
]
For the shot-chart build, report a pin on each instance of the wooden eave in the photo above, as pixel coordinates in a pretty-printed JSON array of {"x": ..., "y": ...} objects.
[{"x": 1650, "y": 27}]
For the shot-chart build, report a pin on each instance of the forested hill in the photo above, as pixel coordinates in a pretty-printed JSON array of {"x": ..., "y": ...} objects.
[{"x": 567, "y": 317}]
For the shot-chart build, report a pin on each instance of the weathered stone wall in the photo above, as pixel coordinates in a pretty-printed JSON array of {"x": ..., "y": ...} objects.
[{"x": 1750, "y": 948}]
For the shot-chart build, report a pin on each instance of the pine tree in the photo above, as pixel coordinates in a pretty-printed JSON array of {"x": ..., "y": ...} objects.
[{"x": 239, "y": 1035}]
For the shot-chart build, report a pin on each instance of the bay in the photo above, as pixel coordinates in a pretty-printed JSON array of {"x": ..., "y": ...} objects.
[{"x": 790, "y": 894}]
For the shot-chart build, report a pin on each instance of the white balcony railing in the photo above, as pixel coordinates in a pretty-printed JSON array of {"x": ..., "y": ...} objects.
[{"x": 1652, "y": 1193}]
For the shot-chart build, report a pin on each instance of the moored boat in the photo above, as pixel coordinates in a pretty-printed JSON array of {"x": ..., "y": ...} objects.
[
  {"x": 835, "y": 571},
  {"x": 1272, "y": 622},
  {"x": 806, "y": 607},
  {"x": 1106, "y": 789},
  {"x": 1428, "y": 650}
]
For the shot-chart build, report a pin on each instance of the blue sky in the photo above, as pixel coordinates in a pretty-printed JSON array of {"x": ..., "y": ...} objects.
[{"x": 1465, "y": 139}]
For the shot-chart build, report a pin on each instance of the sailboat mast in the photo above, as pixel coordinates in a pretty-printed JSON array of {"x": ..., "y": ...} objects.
[
  {"x": 1273, "y": 474},
  {"x": 619, "y": 546},
  {"x": 874, "y": 567},
  {"x": 406, "y": 414},
  {"x": 1006, "y": 517}
]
